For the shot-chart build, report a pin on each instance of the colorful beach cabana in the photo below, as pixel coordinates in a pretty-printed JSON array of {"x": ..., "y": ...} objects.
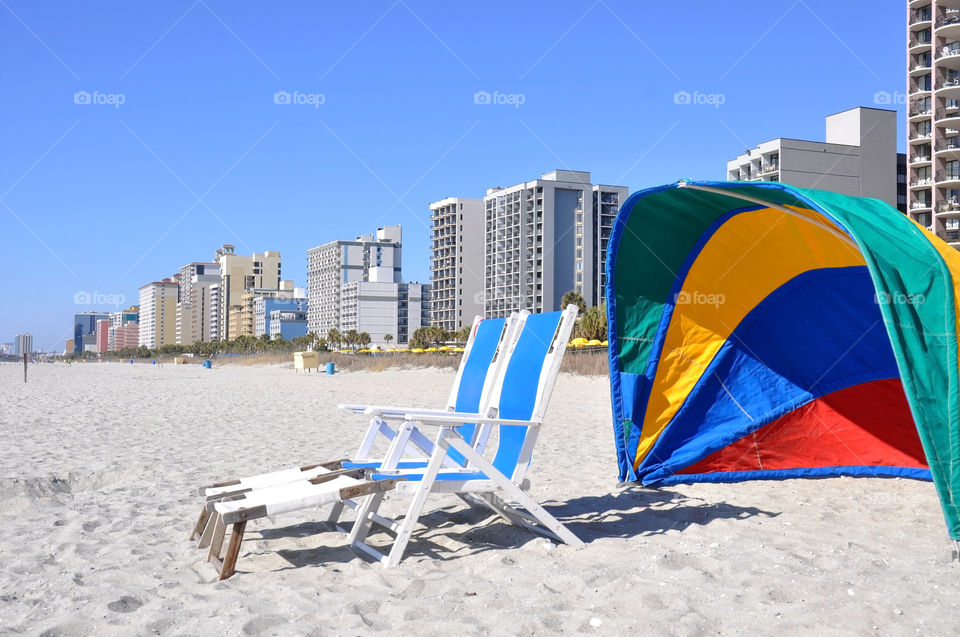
[{"x": 763, "y": 331}]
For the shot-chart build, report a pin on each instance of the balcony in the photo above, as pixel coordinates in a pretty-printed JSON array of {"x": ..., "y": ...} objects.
[
  {"x": 919, "y": 206},
  {"x": 949, "y": 56},
  {"x": 948, "y": 88},
  {"x": 948, "y": 116},
  {"x": 919, "y": 138},
  {"x": 919, "y": 160},
  {"x": 919, "y": 113},
  {"x": 919, "y": 68},
  {"x": 948, "y": 26},
  {"x": 948, "y": 178},
  {"x": 926, "y": 182},
  {"x": 918, "y": 44},
  {"x": 948, "y": 148}
]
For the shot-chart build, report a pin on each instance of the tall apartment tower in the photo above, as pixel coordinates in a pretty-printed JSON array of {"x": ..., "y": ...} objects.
[
  {"x": 933, "y": 116},
  {"x": 192, "y": 319},
  {"x": 456, "y": 262},
  {"x": 158, "y": 314},
  {"x": 544, "y": 238},
  {"x": 239, "y": 273},
  {"x": 23, "y": 344},
  {"x": 331, "y": 265},
  {"x": 85, "y": 329}
]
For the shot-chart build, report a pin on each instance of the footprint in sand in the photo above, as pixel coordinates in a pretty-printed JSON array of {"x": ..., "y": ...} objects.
[{"x": 125, "y": 604}]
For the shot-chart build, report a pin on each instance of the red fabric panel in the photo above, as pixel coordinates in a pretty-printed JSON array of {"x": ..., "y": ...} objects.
[{"x": 868, "y": 424}]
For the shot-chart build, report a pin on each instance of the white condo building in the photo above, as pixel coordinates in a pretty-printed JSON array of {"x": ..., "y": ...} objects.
[
  {"x": 456, "y": 262},
  {"x": 381, "y": 306},
  {"x": 193, "y": 309},
  {"x": 933, "y": 115},
  {"x": 544, "y": 238},
  {"x": 859, "y": 157},
  {"x": 23, "y": 344},
  {"x": 331, "y": 265}
]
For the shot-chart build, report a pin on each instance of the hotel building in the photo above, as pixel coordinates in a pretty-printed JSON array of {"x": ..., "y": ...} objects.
[
  {"x": 933, "y": 115},
  {"x": 456, "y": 262},
  {"x": 237, "y": 274},
  {"x": 158, "y": 314},
  {"x": 858, "y": 158},
  {"x": 333, "y": 264},
  {"x": 544, "y": 238}
]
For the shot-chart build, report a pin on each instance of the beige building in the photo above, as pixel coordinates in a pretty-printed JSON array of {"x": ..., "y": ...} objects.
[
  {"x": 247, "y": 324},
  {"x": 158, "y": 314},
  {"x": 193, "y": 312},
  {"x": 261, "y": 270}
]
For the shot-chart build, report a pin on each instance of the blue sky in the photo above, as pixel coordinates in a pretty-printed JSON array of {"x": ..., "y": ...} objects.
[{"x": 104, "y": 197}]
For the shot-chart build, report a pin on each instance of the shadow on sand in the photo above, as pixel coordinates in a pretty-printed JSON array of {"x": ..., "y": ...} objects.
[{"x": 632, "y": 511}]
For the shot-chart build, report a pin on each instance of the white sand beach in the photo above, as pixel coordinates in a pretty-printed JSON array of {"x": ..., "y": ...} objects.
[{"x": 101, "y": 462}]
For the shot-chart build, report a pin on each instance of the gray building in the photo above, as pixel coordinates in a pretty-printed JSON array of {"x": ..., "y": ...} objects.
[
  {"x": 333, "y": 264},
  {"x": 23, "y": 344},
  {"x": 859, "y": 157},
  {"x": 456, "y": 262},
  {"x": 544, "y": 238}
]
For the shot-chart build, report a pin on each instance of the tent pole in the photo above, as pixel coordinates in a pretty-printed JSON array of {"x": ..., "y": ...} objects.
[{"x": 724, "y": 191}]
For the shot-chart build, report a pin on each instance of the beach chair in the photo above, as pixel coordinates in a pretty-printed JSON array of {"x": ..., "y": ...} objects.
[
  {"x": 530, "y": 363},
  {"x": 476, "y": 374}
]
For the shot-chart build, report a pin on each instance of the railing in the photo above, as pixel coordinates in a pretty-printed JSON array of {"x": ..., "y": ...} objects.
[
  {"x": 919, "y": 159},
  {"x": 947, "y": 83},
  {"x": 916, "y": 112},
  {"x": 945, "y": 20},
  {"x": 950, "y": 50},
  {"x": 920, "y": 182},
  {"x": 950, "y": 144},
  {"x": 919, "y": 205},
  {"x": 948, "y": 175},
  {"x": 917, "y": 137}
]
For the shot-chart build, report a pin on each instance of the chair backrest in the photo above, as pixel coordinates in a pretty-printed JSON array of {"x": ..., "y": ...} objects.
[
  {"x": 523, "y": 390},
  {"x": 480, "y": 371}
]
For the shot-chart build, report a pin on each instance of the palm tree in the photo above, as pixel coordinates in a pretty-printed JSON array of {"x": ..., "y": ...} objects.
[
  {"x": 576, "y": 299},
  {"x": 351, "y": 338},
  {"x": 363, "y": 339},
  {"x": 387, "y": 338},
  {"x": 463, "y": 334},
  {"x": 593, "y": 323},
  {"x": 334, "y": 337}
]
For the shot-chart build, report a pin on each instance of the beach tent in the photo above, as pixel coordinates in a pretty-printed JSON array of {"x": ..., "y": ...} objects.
[{"x": 759, "y": 330}]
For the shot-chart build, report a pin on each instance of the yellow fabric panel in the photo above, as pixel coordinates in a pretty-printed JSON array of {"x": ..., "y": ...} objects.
[{"x": 750, "y": 256}]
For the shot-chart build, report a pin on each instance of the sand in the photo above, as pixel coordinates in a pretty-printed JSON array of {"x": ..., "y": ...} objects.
[{"x": 100, "y": 465}]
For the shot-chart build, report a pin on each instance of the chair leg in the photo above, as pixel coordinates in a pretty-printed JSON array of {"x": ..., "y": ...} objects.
[
  {"x": 208, "y": 528},
  {"x": 216, "y": 539},
  {"x": 233, "y": 550},
  {"x": 201, "y": 523}
]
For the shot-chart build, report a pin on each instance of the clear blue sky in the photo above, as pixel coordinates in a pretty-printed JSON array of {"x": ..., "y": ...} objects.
[{"x": 99, "y": 198}]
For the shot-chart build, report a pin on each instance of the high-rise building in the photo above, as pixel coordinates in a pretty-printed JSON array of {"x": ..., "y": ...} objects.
[
  {"x": 193, "y": 316},
  {"x": 127, "y": 335},
  {"x": 239, "y": 273},
  {"x": 24, "y": 344},
  {"x": 68, "y": 347},
  {"x": 380, "y": 308},
  {"x": 544, "y": 238},
  {"x": 103, "y": 336},
  {"x": 333, "y": 264},
  {"x": 118, "y": 320},
  {"x": 288, "y": 324},
  {"x": 858, "y": 158},
  {"x": 158, "y": 314},
  {"x": 286, "y": 300},
  {"x": 933, "y": 116},
  {"x": 85, "y": 330},
  {"x": 456, "y": 262}
]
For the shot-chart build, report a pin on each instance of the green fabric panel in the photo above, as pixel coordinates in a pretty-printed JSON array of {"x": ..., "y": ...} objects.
[
  {"x": 923, "y": 334},
  {"x": 661, "y": 230}
]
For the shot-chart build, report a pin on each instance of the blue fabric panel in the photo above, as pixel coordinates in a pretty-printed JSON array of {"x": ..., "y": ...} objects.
[
  {"x": 475, "y": 374},
  {"x": 404, "y": 464},
  {"x": 786, "y": 474},
  {"x": 520, "y": 385},
  {"x": 818, "y": 333},
  {"x": 443, "y": 475}
]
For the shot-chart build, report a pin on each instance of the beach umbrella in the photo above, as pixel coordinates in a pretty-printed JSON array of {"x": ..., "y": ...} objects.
[{"x": 757, "y": 330}]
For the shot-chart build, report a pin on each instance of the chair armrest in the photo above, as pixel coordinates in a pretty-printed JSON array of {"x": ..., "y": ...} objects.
[
  {"x": 398, "y": 413},
  {"x": 448, "y": 418}
]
